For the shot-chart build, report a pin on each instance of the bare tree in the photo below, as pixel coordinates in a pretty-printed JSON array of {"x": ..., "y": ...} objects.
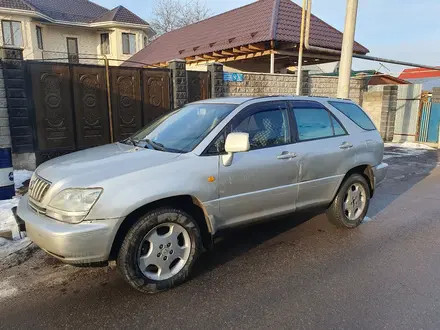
[{"x": 173, "y": 14}]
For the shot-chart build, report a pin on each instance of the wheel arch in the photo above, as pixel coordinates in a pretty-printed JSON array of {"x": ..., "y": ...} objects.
[
  {"x": 190, "y": 204},
  {"x": 366, "y": 171}
]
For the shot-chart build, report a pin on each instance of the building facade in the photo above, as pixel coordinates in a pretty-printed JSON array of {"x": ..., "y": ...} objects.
[{"x": 76, "y": 31}]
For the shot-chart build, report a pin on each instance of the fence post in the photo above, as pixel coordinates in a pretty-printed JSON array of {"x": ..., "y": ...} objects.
[
  {"x": 389, "y": 109},
  {"x": 180, "y": 85},
  {"x": 217, "y": 88},
  {"x": 19, "y": 132}
]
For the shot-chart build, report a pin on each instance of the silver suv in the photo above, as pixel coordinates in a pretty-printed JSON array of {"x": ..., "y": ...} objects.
[{"x": 154, "y": 201}]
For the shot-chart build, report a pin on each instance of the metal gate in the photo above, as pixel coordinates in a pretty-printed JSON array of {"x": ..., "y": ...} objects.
[
  {"x": 73, "y": 104},
  {"x": 425, "y": 114},
  {"x": 198, "y": 85}
]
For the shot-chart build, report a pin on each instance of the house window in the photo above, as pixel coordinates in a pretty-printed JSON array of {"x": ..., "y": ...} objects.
[
  {"x": 40, "y": 37},
  {"x": 145, "y": 41},
  {"x": 72, "y": 50},
  {"x": 105, "y": 43},
  {"x": 128, "y": 43},
  {"x": 12, "y": 35}
]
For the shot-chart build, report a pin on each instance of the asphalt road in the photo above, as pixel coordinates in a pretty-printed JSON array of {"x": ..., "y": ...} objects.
[{"x": 293, "y": 273}]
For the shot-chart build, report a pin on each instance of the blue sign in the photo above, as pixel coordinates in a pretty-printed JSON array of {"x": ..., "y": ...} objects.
[{"x": 232, "y": 76}]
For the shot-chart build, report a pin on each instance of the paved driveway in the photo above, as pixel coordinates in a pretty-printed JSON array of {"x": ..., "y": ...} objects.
[{"x": 296, "y": 272}]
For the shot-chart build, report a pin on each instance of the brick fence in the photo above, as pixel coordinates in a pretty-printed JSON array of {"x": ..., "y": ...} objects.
[
  {"x": 17, "y": 117},
  {"x": 260, "y": 84},
  {"x": 328, "y": 86}
]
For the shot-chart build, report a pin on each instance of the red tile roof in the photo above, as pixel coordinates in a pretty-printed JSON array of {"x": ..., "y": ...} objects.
[
  {"x": 419, "y": 73},
  {"x": 263, "y": 20}
]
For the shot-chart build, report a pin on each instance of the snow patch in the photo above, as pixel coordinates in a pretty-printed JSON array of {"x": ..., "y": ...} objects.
[
  {"x": 405, "y": 149},
  {"x": 8, "y": 247},
  {"x": 21, "y": 176},
  {"x": 7, "y": 290},
  {"x": 409, "y": 145},
  {"x": 7, "y": 220}
]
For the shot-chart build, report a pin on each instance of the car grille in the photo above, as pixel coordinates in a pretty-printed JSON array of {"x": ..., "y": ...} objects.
[
  {"x": 38, "y": 188},
  {"x": 36, "y": 208}
]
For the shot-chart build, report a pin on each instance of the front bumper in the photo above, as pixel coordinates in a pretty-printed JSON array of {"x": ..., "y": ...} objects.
[
  {"x": 87, "y": 242},
  {"x": 380, "y": 173}
]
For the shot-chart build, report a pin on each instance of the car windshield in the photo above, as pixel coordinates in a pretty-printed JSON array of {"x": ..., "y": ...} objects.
[{"x": 182, "y": 130}]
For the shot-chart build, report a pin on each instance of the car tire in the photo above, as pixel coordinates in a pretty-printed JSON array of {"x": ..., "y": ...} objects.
[
  {"x": 150, "y": 242},
  {"x": 346, "y": 210}
]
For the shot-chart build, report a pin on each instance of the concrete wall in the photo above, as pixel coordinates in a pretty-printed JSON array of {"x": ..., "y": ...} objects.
[
  {"x": 328, "y": 86},
  {"x": 261, "y": 84}
]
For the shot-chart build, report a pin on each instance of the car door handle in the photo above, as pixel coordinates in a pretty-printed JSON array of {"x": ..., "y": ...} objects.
[
  {"x": 346, "y": 145},
  {"x": 287, "y": 155}
]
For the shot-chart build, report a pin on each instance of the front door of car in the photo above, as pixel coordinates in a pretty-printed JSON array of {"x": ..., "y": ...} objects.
[
  {"x": 325, "y": 153},
  {"x": 262, "y": 181}
]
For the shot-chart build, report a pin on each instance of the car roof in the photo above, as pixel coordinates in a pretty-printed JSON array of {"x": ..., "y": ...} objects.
[{"x": 241, "y": 100}]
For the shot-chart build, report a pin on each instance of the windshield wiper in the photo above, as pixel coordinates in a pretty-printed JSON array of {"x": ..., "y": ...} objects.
[
  {"x": 155, "y": 145},
  {"x": 132, "y": 141}
]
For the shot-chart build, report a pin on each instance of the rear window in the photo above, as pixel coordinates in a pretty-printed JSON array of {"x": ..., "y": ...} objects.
[{"x": 356, "y": 114}]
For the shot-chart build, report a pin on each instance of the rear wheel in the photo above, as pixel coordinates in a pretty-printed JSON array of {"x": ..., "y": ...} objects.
[
  {"x": 351, "y": 203},
  {"x": 159, "y": 251}
]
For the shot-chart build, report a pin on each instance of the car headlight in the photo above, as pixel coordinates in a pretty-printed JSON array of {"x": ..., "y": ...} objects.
[{"x": 72, "y": 205}]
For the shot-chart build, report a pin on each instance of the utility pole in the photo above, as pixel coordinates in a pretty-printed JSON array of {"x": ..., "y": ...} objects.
[{"x": 347, "y": 49}]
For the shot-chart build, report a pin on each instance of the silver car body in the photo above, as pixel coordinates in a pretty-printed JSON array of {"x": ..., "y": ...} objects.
[{"x": 257, "y": 185}]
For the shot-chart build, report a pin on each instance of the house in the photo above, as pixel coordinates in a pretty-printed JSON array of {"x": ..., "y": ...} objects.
[
  {"x": 427, "y": 77},
  {"x": 263, "y": 36},
  {"x": 373, "y": 77},
  {"x": 72, "y": 30}
]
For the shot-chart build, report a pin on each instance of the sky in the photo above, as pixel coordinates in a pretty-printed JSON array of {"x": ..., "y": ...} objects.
[{"x": 406, "y": 30}]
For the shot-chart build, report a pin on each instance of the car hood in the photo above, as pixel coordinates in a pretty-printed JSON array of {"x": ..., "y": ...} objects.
[{"x": 96, "y": 164}]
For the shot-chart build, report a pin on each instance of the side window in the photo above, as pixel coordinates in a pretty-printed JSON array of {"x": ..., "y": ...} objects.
[
  {"x": 356, "y": 114},
  {"x": 338, "y": 128},
  {"x": 266, "y": 128},
  {"x": 316, "y": 123},
  {"x": 218, "y": 146}
]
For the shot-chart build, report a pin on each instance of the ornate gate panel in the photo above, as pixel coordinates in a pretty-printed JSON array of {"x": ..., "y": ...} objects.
[
  {"x": 53, "y": 110},
  {"x": 156, "y": 88},
  {"x": 198, "y": 85},
  {"x": 91, "y": 109},
  {"x": 126, "y": 102}
]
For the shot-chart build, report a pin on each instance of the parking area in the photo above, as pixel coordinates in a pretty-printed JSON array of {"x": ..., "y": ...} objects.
[{"x": 294, "y": 272}]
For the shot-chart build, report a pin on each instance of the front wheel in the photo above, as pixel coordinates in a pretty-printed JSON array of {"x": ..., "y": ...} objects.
[
  {"x": 159, "y": 251},
  {"x": 350, "y": 205}
]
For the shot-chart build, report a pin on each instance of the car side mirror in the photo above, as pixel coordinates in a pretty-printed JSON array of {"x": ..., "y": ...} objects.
[{"x": 235, "y": 142}]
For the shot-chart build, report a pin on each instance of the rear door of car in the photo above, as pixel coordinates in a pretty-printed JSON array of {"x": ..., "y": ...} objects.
[{"x": 325, "y": 152}]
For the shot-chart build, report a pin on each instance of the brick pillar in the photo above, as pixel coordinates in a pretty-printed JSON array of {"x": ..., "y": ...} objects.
[
  {"x": 5, "y": 133},
  {"x": 180, "y": 85},
  {"x": 305, "y": 83},
  {"x": 20, "y": 121},
  {"x": 389, "y": 108},
  {"x": 217, "y": 86}
]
